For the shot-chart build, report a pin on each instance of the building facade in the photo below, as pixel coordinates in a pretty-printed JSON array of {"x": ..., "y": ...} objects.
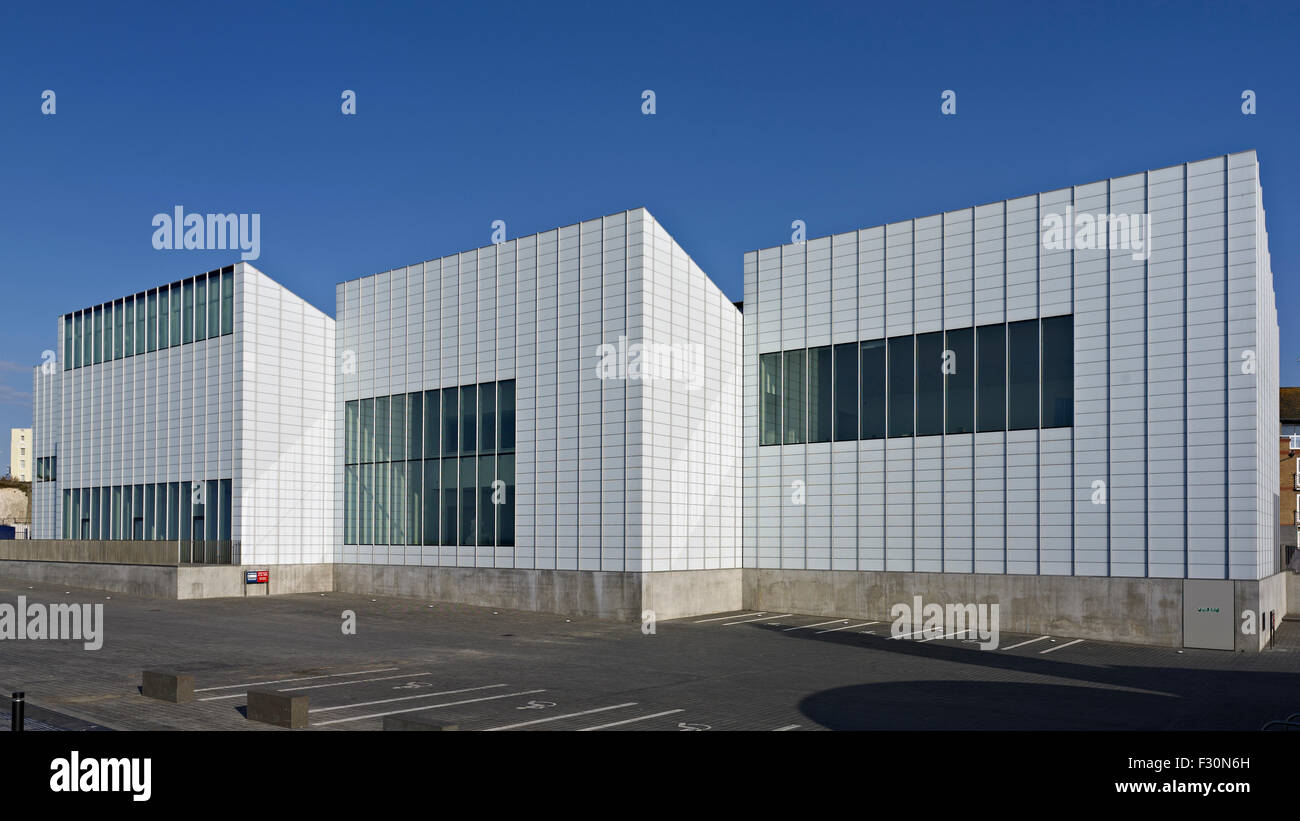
[
  {"x": 558, "y": 413},
  {"x": 1075, "y": 385},
  {"x": 20, "y": 454}
]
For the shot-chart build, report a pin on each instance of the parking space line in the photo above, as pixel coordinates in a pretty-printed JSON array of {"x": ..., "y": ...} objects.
[
  {"x": 949, "y": 636},
  {"x": 422, "y": 707},
  {"x": 1059, "y": 646},
  {"x": 408, "y": 698},
  {"x": 629, "y": 720},
  {"x": 787, "y": 727},
  {"x": 764, "y": 618},
  {"x": 732, "y": 616},
  {"x": 819, "y": 624},
  {"x": 847, "y": 627},
  {"x": 287, "y": 680},
  {"x": 1023, "y": 643},
  {"x": 346, "y": 683},
  {"x": 557, "y": 718}
]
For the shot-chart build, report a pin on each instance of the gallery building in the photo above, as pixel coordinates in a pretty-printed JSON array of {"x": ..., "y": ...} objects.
[{"x": 1063, "y": 403}]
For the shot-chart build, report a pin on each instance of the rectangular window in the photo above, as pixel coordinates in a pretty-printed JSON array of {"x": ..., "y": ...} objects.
[
  {"x": 175, "y": 337},
  {"x": 138, "y": 511},
  {"x": 506, "y": 414},
  {"x": 214, "y": 305},
  {"x": 228, "y": 302},
  {"x": 187, "y": 511},
  {"x": 872, "y": 383},
  {"x": 173, "y": 511},
  {"x": 959, "y": 384},
  {"x": 224, "y": 502},
  {"x": 397, "y": 500},
  {"x": 846, "y": 392},
  {"x": 200, "y": 308},
  {"x": 819, "y": 394},
  {"x": 1058, "y": 371},
  {"x": 414, "y": 495},
  {"x": 468, "y": 491},
  {"x": 793, "y": 391},
  {"x": 164, "y": 319},
  {"x": 99, "y": 335},
  {"x": 487, "y": 417},
  {"x": 366, "y": 503},
  {"x": 68, "y": 336},
  {"x": 487, "y": 471},
  {"x": 901, "y": 385},
  {"x": 94, "y": 513},
  {"x": 431, "y": 428},
  {"x": 119, "y": 349},
  {"x": 151, "y": 329},
  {"x": 447, "y": 524},
  {"x": 929, "y": 384},
  {"x": 506, "y": 512},
  {"x": 414, "y": 425},
  {"x": 769, "y": 400},
  {"x": 991, "y": 377},
  {"x": 128, "y": 335},
  {"x": 397, "y": 428},
  {"x": 381, "y": 503},
  {"x": 1022, "y": 375},
  {"x": 187, "y": 311},
  {"x": 430, "y": 504},
  {"x": 351, "y": 419},
  {"x": 117, "y": 511},
  {"x": 468, "y": 413},
  {"x": 449, "y": 426},
  {"x": 77, "y": 324},
  {"x": 382, "y": 452},
  {"x": 350, "y": 504},
  {"x": 366, "y": 428}
]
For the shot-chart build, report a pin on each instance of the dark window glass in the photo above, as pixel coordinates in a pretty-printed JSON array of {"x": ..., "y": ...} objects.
[
  {"x": 351, "y": 417},
  {"x": 991, "y": 377},
  {"x": 214, "y": 305},
  {"x": 117, "y": 330},
  {"x": 187, "y": 299},
  {"x": 366, "y": 500},
  {"x": 99, "y": 336},
  {"x": 414, "y": 425},
  {"x": 186, "y": 514},
  {"x": 430, "y": 530},
  {"x": 397, "y": 428},
  {"x": 487, "y": 417},
  {"x": 366, "y": 442},
  {"x": 506, "y": 413},
  {"x": 846, "y": 392},
  {"x": 151, "y": 329},
  {"x": 769, "y": 400},
  {"x": 819, "y": 394},
  {"x": 487, "y": 470},
  {"x": 164, "y": 319},
  {"x": 214, "y": 512},
  {"x": 201, "y": 313},
  {"x": 1022, "y": 375},
  {"x": 960, "y": 386},
  {"x": 78, "y": 329},
  {"x": 350, "y": 504},
  {"x": 447, "y": 525},
  {"x": 177, "y": 296},
  {"x": 900, "y": 386},
  {"x": 414, "y": 497},
  {"x": 449, "y": 418},
  {"x": 381, "y": 499},
  {"x": 1058, "y": 371},
  {"x": 873, "y": 390},
  {"x": 793, "y": 390},
  {"x": 467, "y": 493},
  {"x": 128, "y": 331},
  {"x": 382, "y": 453},
  {"x": 228, "y": 302},
  {"x": 68, "y": 336},
  {"x": 929, "y": 384},
  {"x": 431, "y": 429},
  {"x": 468, "y": 413},
  {"x": 506, "y": 512}
]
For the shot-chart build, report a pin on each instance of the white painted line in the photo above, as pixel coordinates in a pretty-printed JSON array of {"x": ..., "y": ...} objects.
[
  {"x": 909, "y": 635},
  {"x": 408, "y": 698},
  {"x": 732, "y": 616},
  {"x": 787, "y": 727},
  {"x": 764, "y": 618},
  {"x": 287, "y": 680},
  {"x": 418, "y": 709},
  {"x": 848, "y": 627},
  {"x": 1023, "y": 643},
  {"x": 557, "y": 718},
  {"x": 219, "y": 698},
  {"x": 819, "y": 624},
  {"x": 346, "y": 683},
  {"x": 1059, "y": 646},
  {"x": 629, "y": 720},
  {"x": 950, "y": 635}
]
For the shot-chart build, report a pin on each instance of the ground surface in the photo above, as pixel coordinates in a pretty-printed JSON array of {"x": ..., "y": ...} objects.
[{"x": 489, "y": 670}]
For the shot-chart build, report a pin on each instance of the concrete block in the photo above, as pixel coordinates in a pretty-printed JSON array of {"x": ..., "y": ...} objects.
[
  {"x": 166, "y": 685},
  {"x": 280, "y": 709},
  {"x": 421, "y": 722}
]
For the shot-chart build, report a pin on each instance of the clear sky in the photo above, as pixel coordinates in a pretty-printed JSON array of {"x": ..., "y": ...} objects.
[{"x": 531, "y": 113}]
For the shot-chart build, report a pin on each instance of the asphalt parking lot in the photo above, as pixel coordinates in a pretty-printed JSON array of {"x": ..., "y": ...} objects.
[{"x": 505, "y": 671}]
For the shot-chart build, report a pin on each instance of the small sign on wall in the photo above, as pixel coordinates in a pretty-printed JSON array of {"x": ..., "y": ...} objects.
[{"x": 257, "y": 577}]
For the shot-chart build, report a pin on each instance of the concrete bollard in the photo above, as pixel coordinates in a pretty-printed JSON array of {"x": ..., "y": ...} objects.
[
  {"x": 166, "y": 685},
  {"x": 280, "y": 709},
  {"x": 418, "y": 722}
]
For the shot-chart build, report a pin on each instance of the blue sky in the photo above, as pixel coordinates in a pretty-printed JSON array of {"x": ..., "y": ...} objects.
[{"x": 531, "y": 113}]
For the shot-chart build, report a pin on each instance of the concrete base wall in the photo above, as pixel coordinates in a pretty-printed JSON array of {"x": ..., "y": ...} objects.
[
  {"x": 1292, "y": 592},
  {"x": 184, "y": 582},
  {"x": 221, "y": 581},
  {"x": 598, "y": 594},
  {"x": 1264, "y": 596}
]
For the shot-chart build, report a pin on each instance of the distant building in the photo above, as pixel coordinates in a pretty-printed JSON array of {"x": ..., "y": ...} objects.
[
  {"x": 1288, "y": 451},
  {"x": 20, "y": 454}
]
